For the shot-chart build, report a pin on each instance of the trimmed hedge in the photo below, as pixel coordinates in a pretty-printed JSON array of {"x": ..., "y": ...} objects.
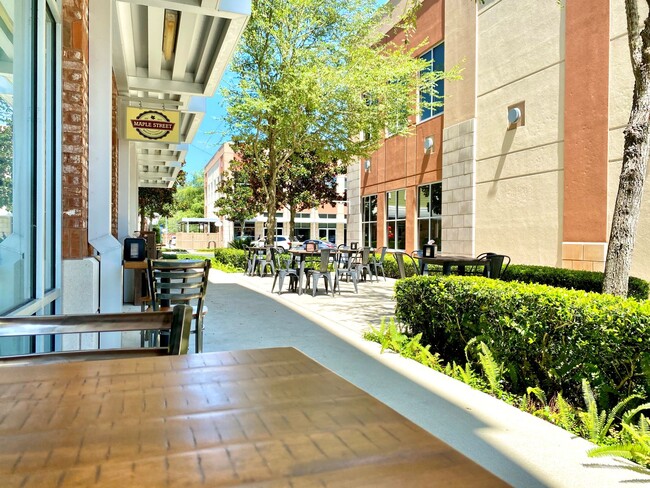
[
  {"x": 569, "y": 278},
  {"x": 235, "y": 258},
  {"x": 545, "y": 336}
]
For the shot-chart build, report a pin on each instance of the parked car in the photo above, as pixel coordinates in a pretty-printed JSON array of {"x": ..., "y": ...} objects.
[
  {"x": 280, "y": 241},
  {"x": 319, "y": 243}
]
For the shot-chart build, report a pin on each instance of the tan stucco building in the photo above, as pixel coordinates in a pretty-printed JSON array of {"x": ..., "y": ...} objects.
[{"x": 540, "y": 189}]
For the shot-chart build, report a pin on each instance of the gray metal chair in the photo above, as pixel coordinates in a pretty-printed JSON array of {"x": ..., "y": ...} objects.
[
  {"x": 323, "y": 271},
  {"x": 401, "y": 265},
  {"x": 181, "y": 281},
  {"x": 346, "y": 267},
  {"x": 283, "y": 269},
  {"x": 378, "y": 264}
]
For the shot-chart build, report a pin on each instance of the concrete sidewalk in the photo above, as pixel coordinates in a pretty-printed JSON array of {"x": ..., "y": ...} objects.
[{"x": 519, "y": 448}]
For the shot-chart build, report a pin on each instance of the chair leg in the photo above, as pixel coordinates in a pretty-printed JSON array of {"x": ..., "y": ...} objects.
[{"x": 199, "y": 334}]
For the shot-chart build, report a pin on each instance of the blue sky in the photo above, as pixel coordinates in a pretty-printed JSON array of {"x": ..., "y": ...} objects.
[{"x": 213, "y": 133}]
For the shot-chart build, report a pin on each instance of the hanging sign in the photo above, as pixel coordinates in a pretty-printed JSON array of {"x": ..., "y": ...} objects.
[{"x": 146, "y": 124}]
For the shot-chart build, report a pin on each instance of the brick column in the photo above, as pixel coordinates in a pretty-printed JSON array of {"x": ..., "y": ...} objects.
[
  {"x": 586, "y": 135},
  {"x": 75, "y": 130},
  {"x": 115, "y": 161}
]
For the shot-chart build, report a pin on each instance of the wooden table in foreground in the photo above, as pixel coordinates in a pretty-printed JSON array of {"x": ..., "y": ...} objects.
[{"x": 270, "y": 417}]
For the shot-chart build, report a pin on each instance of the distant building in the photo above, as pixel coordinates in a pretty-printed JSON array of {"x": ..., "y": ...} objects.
[{"x": 326, "y": 222}]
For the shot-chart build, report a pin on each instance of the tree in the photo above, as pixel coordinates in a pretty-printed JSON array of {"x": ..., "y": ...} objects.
[
  {"x": 312, "y": 76},
  {"x": 189, "y": 198},
  {"x": 636, "y": 150},
  {"x": 309, "y": 183},
  {"x": 154, "y": 201},
  {"x": 241, "y": 190}
]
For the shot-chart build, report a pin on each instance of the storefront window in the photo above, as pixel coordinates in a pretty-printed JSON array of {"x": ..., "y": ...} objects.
[
  {"x": 430, "y": 214},
  {"x": 17, "y": 161},
  {"x": 396, "y": 219},
  {"x": 29, "y": 163},
  {"x": 369, "y": 222}
]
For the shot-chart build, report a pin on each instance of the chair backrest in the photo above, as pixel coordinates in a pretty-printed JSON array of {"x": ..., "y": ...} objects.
[
  {"x": 348, "y": 260},
  {"x": 399, "y": 258},
  {"x": 177, "y": 322},
  {"x": 365, "y": 256},
  {"x": 383, "y": 255},
  {"x": 324, "y": 260},
  {"x": 174, "y": 281},
  {"x": 496, "y": 264}
]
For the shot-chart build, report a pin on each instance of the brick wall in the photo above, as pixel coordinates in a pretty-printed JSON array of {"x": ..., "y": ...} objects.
[
  {"x": 115, "y": 165},
  {"x": 75, "y": 129}
]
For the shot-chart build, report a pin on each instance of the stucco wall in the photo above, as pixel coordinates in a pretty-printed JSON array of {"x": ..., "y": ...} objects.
[{"x": 519, "y": 171}]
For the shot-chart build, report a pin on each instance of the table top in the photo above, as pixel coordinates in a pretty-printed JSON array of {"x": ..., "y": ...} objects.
[
  {"x": 268, "y": 416},
  {"x": 451, "y": 258}
]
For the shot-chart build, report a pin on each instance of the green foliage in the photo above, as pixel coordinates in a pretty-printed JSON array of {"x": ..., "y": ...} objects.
[
  {"x": 234, "y": 260},
  {"x": 569, "y": 278},
  {"x": 598, "y": 424},
  {"x": 189, "y": 198},
  {"x": 155, "y": 201},
  {"x": 633, "y": 442},
  {"x": 391, "y": 337},
  {"x": 545, "y": 336}
]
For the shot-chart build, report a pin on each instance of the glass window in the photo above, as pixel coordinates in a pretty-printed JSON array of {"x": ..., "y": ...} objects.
[
  {"x": 327, "y": 232},
  {"x": 369, "y": 222},
  {"x": 17, "y": 157},
  {"x": 430, "y": 214},
  {"x": 435, "y": 58},
  {"x": 396, "y": 219}
]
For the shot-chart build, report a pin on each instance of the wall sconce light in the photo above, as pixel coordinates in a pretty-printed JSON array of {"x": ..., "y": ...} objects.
[
  {"x": 169, "y": 33},
  {"x": 514, "y": 114},
  {"x": 517, "y": 115},
  {"x": 428, "y": 144},
  {"x": 366, "y": 165}
]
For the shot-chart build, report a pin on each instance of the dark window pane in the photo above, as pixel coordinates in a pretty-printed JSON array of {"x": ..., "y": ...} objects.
[
  {"x": 401, "y": 234},
  {"x": 391, "y": 203}
]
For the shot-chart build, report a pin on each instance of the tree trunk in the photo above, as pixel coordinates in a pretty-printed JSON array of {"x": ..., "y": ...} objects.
[
  {"x": 635, "y": 159},
  {"x": 292, "y": 222},
  {"x": 630, "y": 192},
  {"x": 142, "y": 219}
]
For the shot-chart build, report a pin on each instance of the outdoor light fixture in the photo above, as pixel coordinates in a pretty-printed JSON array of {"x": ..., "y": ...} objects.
[
  {"x": 367, "y": 165},
  {"x": 428, "y": 144},
  {"x": 514, "y": 114},
  {"x": 169, "y": 33}
]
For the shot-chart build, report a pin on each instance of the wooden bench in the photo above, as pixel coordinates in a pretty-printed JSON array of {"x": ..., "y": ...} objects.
[{"x": 177, "y": 322}]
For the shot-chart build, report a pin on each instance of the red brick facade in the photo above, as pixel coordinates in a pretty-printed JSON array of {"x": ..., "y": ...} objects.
[
  {"x": 75, "y": 130},
  {"x": 115, "y": 165}
]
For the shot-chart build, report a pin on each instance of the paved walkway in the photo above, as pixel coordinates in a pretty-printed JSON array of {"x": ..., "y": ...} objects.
[{"x": 521, "y": 449}]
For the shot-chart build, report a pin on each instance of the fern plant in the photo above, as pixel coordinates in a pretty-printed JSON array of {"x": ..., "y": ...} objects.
[
  {"x": 597, "y": 424},
  {"x": 635, "y": 440}
]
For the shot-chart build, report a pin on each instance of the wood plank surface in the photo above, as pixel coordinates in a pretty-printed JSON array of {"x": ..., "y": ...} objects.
[{"x": 267, "y": 417}]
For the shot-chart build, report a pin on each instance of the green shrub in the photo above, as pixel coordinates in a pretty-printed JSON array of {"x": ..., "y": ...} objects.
[
  {"x": 569, "y": 278},
  {"x": 235, "y": 258},
  {"x": 545, "y": 336}
]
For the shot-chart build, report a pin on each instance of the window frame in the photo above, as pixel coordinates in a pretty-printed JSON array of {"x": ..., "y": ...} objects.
[
  {"x": 393, "y": 224},
  {"x": 433, "y": 219},
  {"x": 367, "y": 224},
  {"x": 439, "y": 84}
]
